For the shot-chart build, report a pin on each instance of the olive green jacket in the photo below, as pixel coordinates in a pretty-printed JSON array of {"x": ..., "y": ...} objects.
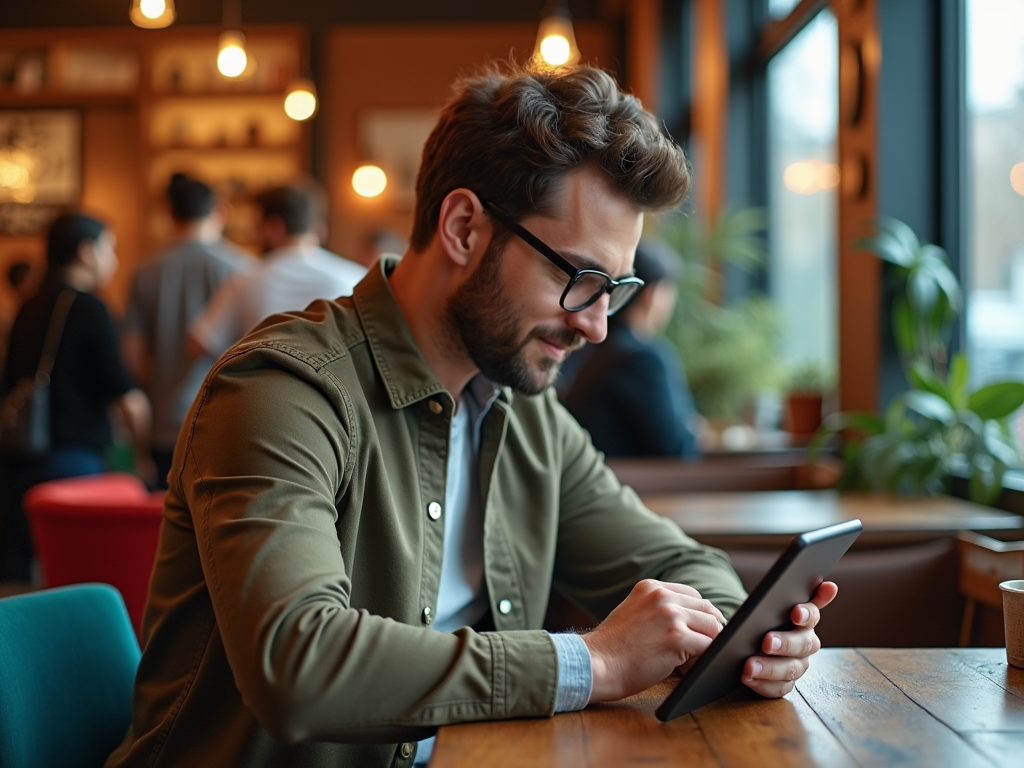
[{"x": 287, "y": 620}]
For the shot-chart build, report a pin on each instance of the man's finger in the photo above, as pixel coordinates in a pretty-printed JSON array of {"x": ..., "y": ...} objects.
[
  {"x": 825, "y": 593},
  {"x": 802, "y": 642},
  {"x": 693, "y": 600},
  {"x": 773, "y": 668}
]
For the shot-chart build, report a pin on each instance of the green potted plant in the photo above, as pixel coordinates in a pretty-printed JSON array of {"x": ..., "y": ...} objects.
[
  {"x": 806, "y": 388},
  {"x": 728, "y": 351},
  {"x": 939, "y": 426}
]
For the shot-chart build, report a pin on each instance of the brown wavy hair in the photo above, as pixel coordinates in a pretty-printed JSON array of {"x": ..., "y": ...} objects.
[{"x": 512, "y": 133}]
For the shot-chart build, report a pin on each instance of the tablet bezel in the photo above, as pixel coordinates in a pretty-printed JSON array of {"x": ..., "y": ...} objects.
[{"x": 804, "y": 565}]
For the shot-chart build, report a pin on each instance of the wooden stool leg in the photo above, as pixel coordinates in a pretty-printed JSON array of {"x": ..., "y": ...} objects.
[{"x": 968, "y": 622}]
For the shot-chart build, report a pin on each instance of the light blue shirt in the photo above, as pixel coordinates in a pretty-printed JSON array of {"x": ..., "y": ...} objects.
[{"x": 462, "y": 598}]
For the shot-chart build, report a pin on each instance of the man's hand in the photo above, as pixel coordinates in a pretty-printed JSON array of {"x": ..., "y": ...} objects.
[
  {"x": 657, "y": 628},
  {"x": 787, "y": 653}
]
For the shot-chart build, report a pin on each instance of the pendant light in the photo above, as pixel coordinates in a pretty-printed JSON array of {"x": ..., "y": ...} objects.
[
  {"x": 152, "y": 14},
  {"x": 300, "y": 101},
  {"x": 232, "y": 59},
  {"x": 556, "y": 43}
]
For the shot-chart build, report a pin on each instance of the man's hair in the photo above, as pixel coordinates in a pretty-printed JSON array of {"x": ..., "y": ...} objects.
[
  {"x": 294, "y": 206},
  {"x": 190, "y": 199},
  {"x": 18, "y": 273},
  {"x": 513, "y": 133},
  {"x": 67, "y": 232}
]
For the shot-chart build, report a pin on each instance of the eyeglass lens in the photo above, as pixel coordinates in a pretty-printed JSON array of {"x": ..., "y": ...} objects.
[{"x": 588, "y": 288}]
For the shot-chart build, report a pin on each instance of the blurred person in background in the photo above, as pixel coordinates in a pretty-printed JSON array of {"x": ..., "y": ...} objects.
[
  {"x": 167, "y": 295},
  {"x": 293, "y": 272},
  {"x": 19, "y": 278},
  {"x": 630, "y": 391},
  {"x": 378, "y": 243},
  {"x": 88, "y": 376}
]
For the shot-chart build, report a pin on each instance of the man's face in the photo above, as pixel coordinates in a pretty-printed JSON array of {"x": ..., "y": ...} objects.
[{"x": 507, "y": 314}]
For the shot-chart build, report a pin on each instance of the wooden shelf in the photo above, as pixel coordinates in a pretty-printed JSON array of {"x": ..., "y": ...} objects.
[
  {"x": 53, "y": 98},
  {"x": 231, "y": 148}
]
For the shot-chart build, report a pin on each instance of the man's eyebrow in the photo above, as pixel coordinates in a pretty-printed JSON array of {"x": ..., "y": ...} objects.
[{"x": 586, "y": 262}]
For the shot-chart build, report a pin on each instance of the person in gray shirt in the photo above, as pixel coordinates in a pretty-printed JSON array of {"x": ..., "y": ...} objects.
[{"x": 167, "y": 295}]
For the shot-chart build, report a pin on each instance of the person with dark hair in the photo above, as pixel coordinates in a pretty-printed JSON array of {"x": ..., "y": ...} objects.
[
  {"x": 375, "y": 497},
  {"x": 18, "y": 277},
  {"x": 294, "y": 271},
  {"x": 630, "y": 392},
  {"x": 167, "y": 295},
  {"x": 87, "y": 377}
]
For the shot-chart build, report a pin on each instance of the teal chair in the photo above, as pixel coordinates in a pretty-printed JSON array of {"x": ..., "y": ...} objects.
[{"x": 67, "y": 663}]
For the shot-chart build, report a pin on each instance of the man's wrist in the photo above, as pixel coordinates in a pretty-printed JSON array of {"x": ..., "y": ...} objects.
[{"x": 575, "y": 673}]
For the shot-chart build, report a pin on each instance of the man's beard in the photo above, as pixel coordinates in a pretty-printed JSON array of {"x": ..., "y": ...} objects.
[{"x": 488, "y": 325}]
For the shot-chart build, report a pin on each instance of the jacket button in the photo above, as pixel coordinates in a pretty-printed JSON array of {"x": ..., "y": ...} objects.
[
  {"x": 406, "y": 750},
  {"x": 434, "y": 510},
  {"x": 505, "y": 607},
  {"x": 428, "y": 616},
  {"x": 435, "y": 407}
]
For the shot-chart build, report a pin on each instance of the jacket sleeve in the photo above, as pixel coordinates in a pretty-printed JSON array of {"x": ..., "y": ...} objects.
[
  {"x": 608, "y": 540},
  {"x": 266, "y": 457}
]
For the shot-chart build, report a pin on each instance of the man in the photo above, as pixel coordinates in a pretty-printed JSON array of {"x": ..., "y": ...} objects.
[
  {"x": 167, "y": 295},
  {"x": 630, "y": 392},
  {"x": 294, "y": 271},
  {"x": 373, "y": 498}
]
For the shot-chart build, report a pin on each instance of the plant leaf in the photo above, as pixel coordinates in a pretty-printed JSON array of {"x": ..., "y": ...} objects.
[
  {"x": 887, "y": 248},
  {"x": 957, "y": 381},
  {"x": 922, "y": 290},
  {"x": 923, "y": 377},
  {"x": 903, "y": 328},
  {"x": 997, "y": 401},
  {"x": 998, "y": 446},
  {"x": 930, "y": 405}
]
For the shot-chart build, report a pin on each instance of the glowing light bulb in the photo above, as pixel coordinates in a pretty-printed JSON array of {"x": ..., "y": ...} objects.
[
  {"x": 369, "y": 181},
  {"x": 232, "y": 59},
  {"x": 828, "y": 176},
  {"x": 300, "y": 102},
  {"x": 556, "y": 42},
  {"x": 555, "y": 50},
  {"x": 801, "y": 177},
  {"x": 152, "y": 9},
  {"x": 1017, "y": 178},
  {"x": 152, "y": 14}
]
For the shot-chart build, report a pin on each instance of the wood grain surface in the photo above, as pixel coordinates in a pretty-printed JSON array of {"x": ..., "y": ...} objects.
[
  {"x": 724, "y": 518},
  {"x": 933, "y": 708}
]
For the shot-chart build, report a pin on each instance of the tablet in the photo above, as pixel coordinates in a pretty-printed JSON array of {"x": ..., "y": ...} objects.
[{"x": 792, "y": 580}]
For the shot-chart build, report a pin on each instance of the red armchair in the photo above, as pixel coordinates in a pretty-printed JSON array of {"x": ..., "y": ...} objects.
[{"x": 101, "y": 528}]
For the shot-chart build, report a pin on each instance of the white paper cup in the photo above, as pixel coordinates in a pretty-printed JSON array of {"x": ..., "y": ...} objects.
[{"x": 1013, "y": 620}]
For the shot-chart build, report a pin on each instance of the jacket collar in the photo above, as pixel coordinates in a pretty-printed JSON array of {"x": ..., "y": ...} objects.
[{"x": 406, "y": 373}]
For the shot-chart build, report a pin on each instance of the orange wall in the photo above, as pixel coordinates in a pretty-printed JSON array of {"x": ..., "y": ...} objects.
[
  {"x": 110, "y": 188},
  {"x": 407, "y": 66}
]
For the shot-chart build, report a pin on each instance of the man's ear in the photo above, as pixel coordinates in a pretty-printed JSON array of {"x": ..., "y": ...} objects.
[{"x": 463, "y": 229}]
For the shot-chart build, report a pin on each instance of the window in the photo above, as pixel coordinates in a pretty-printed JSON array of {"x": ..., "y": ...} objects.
[
  {"x": 803, "y": 179},
  {"x": 779, "y": 9},
  {"x": 995, "y": 156}
]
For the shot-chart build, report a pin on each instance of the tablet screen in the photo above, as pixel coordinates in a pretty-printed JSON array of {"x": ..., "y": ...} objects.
[{"x": 793, "y": 579}]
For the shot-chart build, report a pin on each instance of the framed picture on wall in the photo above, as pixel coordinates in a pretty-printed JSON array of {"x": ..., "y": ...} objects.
[
  {"x": 40, "y": 167},
  {"x": 393, "y": 139}
]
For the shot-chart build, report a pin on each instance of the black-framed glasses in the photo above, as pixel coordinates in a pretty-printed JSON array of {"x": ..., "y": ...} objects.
[{"x": 585, "y": 286}]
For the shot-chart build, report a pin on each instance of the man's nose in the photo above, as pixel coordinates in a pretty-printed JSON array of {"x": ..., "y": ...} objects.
[{"x": 592, "y": 322}]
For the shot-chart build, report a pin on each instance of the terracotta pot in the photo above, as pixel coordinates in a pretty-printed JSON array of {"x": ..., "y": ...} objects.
[{"x": 803, "y": 412}]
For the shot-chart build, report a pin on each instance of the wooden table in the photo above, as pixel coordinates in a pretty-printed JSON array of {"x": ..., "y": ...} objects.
[
  {"x": 774, "y": 517},
  {"x": 931, "y": 707}
]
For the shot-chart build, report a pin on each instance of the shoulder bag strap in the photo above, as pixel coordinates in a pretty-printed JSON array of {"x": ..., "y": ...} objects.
[{"x": 55, "y": 331}]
